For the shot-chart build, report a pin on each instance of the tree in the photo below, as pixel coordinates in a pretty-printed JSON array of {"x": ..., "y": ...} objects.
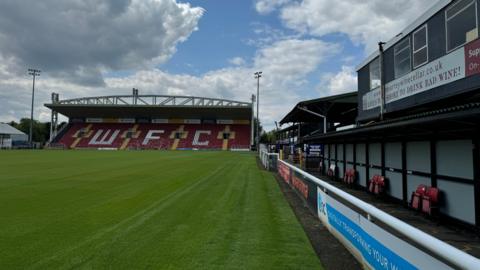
[
  {"x": 41, "y": 131},
  {"x": 255, "y": 130},
  {"x": 269, "y": 137}
]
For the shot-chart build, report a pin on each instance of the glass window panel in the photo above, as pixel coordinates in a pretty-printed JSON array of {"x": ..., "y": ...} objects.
[
  {"x": 420, "y": 39},
  {"x": 402, "y": 45},
  {"x": 455, "y": 8},
  {"x": 458, "y": 27},
  {"x": 402, "y": 58},
  {"x": 403, "y": 55},
  {"x": 374, "y": 73},
  {"x": 420, "y": 57},
  {"x": 402, "y": 68}
]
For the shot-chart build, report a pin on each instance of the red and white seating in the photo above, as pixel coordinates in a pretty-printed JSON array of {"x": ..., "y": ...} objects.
[
  {"x": 332, "y": 170},
  {"x": 416, "y": 198},
  {"x": 350, "y": 176},
  {"x": 425, "y": 199},
  {"x": 157, "y": 136},
  {"x": 430, "y": 200},
  {"x": 377, "y": 185}
]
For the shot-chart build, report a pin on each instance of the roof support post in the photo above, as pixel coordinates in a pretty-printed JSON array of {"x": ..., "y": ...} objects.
[
  {"x": 476, "y": 178},
  {"x": 382, "y": 80},
  {"x": 316, "y": 114},
  {"x": 252, "y": 121},
  {"x": 54, "y": 119}
]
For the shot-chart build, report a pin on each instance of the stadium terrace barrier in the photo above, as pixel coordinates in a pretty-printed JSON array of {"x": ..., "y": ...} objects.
[
  {"x": 353, "y": 222},
  {"x": 269, "y": 160}
]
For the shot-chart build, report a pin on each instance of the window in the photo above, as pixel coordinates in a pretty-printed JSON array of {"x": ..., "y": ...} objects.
[
  {"x": 461, "y": 23},
  {"x": 420, "y": 46},
  {"x": 402, "y": 58},
  {"x": 374, "y": 73}
]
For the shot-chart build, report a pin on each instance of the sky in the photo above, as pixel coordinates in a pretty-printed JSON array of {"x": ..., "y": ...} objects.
[{"x": 305, "y": 48}]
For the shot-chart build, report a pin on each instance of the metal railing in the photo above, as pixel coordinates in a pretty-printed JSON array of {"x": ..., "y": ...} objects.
[
  {"x": 153, "y": 100},
  {"x": 440, "y": 249}
]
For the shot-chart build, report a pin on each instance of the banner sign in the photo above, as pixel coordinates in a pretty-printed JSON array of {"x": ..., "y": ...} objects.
[
  {"x": 224, "y": 121},
  {"x": 454, "y": 66},
  {"x": 192, "y": 121},
  {"x": 284, "y": 172},
  {"x": 94, "y": 120},
  {"x": 472, "y": 58},
  {"x": 159, "y": 121},
  {"x": 315, "y": 150},
  {"x": 300, "y": 186},
  {"x": 126, "y": 120},
  {"x": 377, "y": 247}
]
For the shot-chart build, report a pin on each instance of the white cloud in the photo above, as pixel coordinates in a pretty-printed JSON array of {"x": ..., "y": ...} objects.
[
  {"x": 365, "y": 22},
  {"x": 341, "y": 82},
  {"x": 237, "y": 61},
  {"x": 265, "y": 35},
  {"x": 267, "y": 6},
  {"x": 80, "y": 40},
  {"x": 285, "y": 65}
]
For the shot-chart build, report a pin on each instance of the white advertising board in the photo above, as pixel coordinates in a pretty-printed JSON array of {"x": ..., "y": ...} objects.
[
  {"x": 192, "y": 121},
  {"x": 126, "y": 120},
  {"x": 377, "y": 247},
  {"x": 444, "y": 70},
  {"x": 225, "y": 121},
  {"x": 159, "y": 121},
  {"x": 94, "y": 120}
]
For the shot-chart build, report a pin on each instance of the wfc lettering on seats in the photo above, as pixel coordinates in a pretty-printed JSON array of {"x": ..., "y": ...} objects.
[{"x": 108, "y": 137}]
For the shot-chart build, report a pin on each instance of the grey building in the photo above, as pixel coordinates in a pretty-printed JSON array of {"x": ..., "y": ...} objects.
[
  {"x": 10, "y": 135},
  {"x": 418, "y": 113}
]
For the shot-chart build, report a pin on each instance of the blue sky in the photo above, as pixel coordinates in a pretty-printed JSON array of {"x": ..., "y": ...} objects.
[
  {"x": 228, "y": 30},
  {"x": 305, "y": 48}
]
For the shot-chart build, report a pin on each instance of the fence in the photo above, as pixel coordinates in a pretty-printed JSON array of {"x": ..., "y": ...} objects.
[{"x": 353, "y": 222}]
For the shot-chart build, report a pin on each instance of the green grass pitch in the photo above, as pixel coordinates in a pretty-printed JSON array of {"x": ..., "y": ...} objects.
[{"x": 145, "y": 210}]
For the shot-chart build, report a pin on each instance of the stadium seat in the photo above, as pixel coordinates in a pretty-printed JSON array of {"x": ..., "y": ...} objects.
[
  {"x": 156, "y": 136},
  {"x": 349, "y": 177},
  {"x": 371, "y": 184},
  {"x": 332, "y": 170},
  {"x": 377, "y": 185},
  {"x": 430, "y": 200},
  {"x": 417, "y": 197}
]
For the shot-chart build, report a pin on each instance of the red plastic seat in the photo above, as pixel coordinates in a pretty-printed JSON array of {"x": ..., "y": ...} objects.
[
  {"x": 371, "y": 185},
  {"x": 430, "y": 200},
  {"x": 377, "y": 185},
  {"x": 349, "y": 177},
  {"x": 331, "y": 170},
  {"x": 417, "y": 197}
]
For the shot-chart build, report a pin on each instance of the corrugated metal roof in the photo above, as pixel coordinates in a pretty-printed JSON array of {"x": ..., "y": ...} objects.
[
  {"x": 334, "y": 107},
  {"x": 430, "y": 116},
  {"x": 7, "y": 129}
]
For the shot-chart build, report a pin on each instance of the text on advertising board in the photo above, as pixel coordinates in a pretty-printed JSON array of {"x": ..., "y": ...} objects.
[{"x": 454, "y": 66}]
